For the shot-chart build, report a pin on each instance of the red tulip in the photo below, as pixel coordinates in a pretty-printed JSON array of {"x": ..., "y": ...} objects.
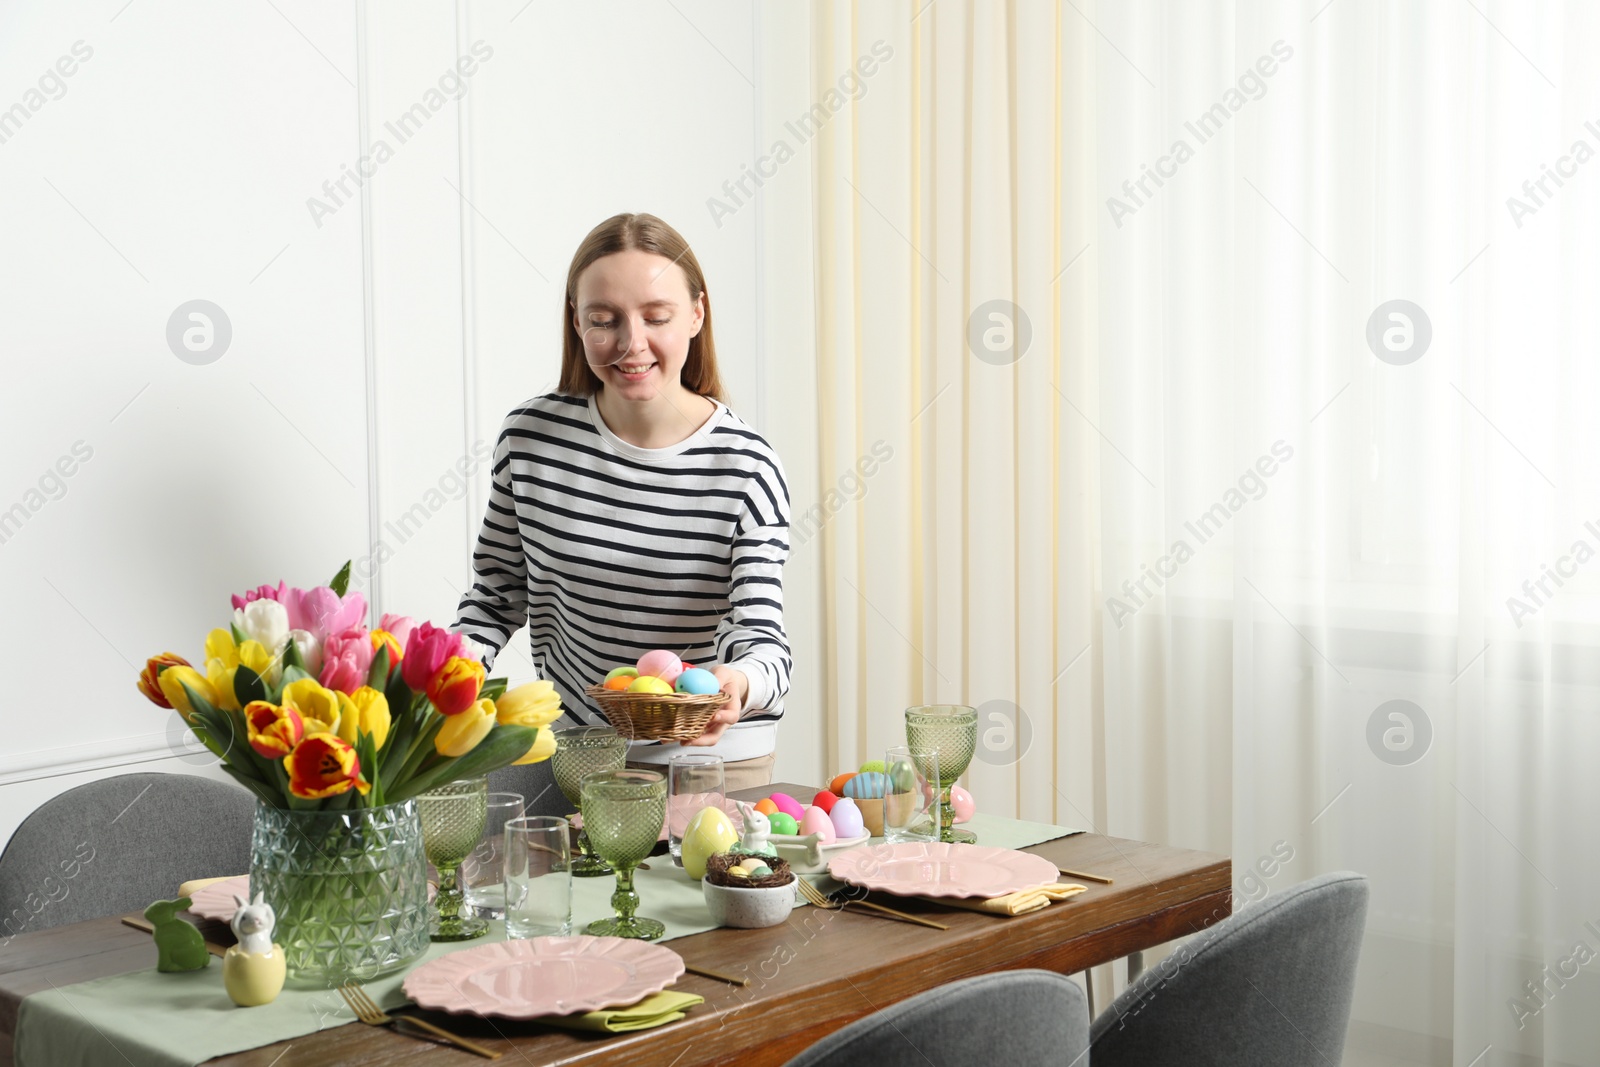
[
  {"x": 274, "y": 729},
  {"x": 455, "y": 687},
  {"x": 149, "y": 679},
  {"x": 321, "y": 765}
]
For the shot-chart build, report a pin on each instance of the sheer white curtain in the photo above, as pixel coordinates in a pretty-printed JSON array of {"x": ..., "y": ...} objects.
[{"x": 1266, "y": 561}]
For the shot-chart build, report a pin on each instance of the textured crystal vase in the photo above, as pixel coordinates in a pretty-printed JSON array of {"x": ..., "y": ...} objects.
[{"x": 350, "y": 889}]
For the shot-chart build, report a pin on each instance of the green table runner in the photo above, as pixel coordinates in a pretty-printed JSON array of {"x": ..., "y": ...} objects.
[{"x": 177, "y": 1020}]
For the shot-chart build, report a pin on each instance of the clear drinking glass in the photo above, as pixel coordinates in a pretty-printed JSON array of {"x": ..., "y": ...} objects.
[
  {"x": 951, "y": 730},
  {"x": 452, "y": 824},
  {"x": 694, "y": 781},
  {"x": 580, "y": 751},
  {"x": 911, "y": 800},
  {"x": 623, "y": 811},
  {"x": 538, "y": 883},
  {"x": 482, "y": 873}
]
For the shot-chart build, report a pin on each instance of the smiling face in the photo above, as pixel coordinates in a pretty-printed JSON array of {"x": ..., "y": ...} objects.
[{"x": 634, "y": 312}]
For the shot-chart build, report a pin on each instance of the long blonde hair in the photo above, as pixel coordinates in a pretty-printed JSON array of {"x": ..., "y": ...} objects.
[{"x": 621, "y": 233}]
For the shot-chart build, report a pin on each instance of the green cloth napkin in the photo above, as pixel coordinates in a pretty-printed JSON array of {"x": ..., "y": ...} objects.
[{"x": 667, "y": 1006}]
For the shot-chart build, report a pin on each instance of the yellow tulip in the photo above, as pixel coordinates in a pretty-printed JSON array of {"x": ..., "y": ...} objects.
[
  {"x": 533, "y": 704},
  {"x": 259, "y": 658},
  {"x": 544, "y": 746},
  {"x": 220, "y": 645},
  {"x": 220, "y": 674},
  {"x": 461, "y": 733},
  {"x": 319, "y": 707},
  {"x": 367, "y": 711},
  {"x": 172, "y": 689}
]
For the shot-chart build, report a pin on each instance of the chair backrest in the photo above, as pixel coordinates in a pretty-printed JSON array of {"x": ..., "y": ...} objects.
[
  {"x": 537, "y": 785},
  {"x": 1014, "y": 1018},
  {"x": 1269, "y": 985},
  {"x": 113, "y": 846}
]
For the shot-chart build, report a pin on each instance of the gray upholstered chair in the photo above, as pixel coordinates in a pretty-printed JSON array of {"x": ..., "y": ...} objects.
[
  {"x": 537, "y": 786},
  {"x": 1015, "y": 1018},
  {"x": 112, "y": 846},
  {"x": 1270, "y": 985}
]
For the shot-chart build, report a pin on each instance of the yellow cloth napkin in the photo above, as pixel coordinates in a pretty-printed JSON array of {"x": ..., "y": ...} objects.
[
  {"x": 667, "y": 1006},
  {"x": 1021, "y": 902}
]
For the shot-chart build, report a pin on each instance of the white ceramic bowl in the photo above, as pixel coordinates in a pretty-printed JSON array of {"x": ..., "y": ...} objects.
[
  {"x": 794, "y": 849},
  {"x": 747, "y": 908}
]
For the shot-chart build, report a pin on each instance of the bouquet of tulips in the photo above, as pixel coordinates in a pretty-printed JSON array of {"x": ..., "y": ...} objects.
[{"x": 309, "y": 709}]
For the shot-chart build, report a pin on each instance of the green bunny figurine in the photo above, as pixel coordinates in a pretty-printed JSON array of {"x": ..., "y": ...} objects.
[{"x": 179, "y": 945}]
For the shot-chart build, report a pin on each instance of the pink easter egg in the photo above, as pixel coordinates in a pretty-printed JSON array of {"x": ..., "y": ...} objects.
[
  {"x": 789, "y": 806},
  {"x": 962, "y": 804},
  {"x": 847, "y": 820},
  {"x": 817, "y": 821},
  {"x": 660, "y": 663}
]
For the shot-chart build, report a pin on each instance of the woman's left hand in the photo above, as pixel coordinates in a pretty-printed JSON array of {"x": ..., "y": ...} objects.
[{"x": 733, "y": 681}]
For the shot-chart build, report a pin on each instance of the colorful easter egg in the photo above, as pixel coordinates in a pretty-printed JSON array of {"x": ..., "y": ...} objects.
[
  {"x": 623, "y": 672},
  {"x": 868, "y": 785},
  {"x": 761, "y": 871},
  {"x": 836, "y": 787},
  {"x": 620, "y": 683},
  {"x": 962, "y": 804},
  {"x": 783, "y": 823},
  {"x": 766, "y": 807},
  {"x": 847, "y": 820},
  {"x": 709, "y": 832},
  {"x": 697, "y": 682},
  {"x": 817, "y": 821},
  {"x": 824, "y": 800},
  {"x": 660, "y": 663},
  {"x": 871, "y": 765},
  {"x": 649, "y": 683},
  {"x": 789, "y": 806}
]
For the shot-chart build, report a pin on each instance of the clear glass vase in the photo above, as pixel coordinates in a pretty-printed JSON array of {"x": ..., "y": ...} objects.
[{"x": 350, "y": 889}]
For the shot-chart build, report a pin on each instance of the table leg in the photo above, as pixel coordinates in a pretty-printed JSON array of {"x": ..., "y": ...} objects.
[{"x": 1088, "y": 987}]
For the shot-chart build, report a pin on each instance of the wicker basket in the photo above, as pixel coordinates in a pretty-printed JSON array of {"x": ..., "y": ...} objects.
[{"x": 657, "y": 716}]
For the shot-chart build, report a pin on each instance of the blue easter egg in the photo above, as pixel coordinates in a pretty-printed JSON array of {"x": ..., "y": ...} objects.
[
  {"x": 868, "y": 785},
  {"x": 697, "y": 681}
]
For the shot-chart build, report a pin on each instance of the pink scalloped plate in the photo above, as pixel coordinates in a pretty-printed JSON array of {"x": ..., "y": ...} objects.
[
  {"x": 544, "y": 976},
  {"x": 215, "y": 901},
  {"x": 936, "y": 869}
]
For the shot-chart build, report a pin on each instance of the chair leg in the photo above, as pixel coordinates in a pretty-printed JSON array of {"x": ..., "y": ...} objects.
[
  {"x": 1135, "y": 965},
  {"x": 1088, "y": 987}
]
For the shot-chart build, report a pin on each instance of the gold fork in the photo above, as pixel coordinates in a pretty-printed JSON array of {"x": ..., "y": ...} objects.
[
  {"x": 367, "y": 1011},
  {"x": 816, "y": 897}
]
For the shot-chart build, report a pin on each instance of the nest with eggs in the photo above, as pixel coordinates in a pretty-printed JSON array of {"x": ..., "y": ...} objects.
[{"x": 717, "y": 871}]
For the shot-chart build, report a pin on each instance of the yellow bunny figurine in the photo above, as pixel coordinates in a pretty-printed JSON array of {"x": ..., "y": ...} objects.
[{"x": 254, "y": 969}]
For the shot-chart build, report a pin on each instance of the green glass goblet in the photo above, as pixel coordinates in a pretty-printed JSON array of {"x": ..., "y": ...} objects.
[
  {"x": 951, "y": 730},
  {"x": 580, "y": 751},
  {"x": 624, "y": 812},
  {"x": 453, "y": 817}
]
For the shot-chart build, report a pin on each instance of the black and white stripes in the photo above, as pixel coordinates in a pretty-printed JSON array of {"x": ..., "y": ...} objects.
[{"x": 606, "y": 550}]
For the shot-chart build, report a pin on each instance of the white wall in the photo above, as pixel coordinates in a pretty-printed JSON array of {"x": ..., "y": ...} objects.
[{"x": 376, "y": 336}]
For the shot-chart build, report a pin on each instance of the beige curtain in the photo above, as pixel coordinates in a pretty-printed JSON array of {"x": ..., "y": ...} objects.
[{"x": 1225, "y": 371}]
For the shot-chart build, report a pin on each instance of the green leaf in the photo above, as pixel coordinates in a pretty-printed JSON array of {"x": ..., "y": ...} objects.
[
  {"x": 503, "y": 746},
  {"x": 239, "y": 636},
  {"x": 248, "y": 686},
  {"x": 493, "y": 689},
  {"x": 294, "y": 674},
  {"x": 399, "y": 696},
  {"x": 341, "y": 581},
  {"x": 291, "y": 656},
  {"x": 266, "y": 793},
  {"x": 367, "y": 753},
  {"x": 378, "y": 676}
]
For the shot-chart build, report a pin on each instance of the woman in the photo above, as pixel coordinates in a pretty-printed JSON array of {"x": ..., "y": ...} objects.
[{"x": 632, "y": 510}]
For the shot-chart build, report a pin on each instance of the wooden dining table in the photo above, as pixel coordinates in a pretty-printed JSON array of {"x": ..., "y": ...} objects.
[{"x": 816, "y": 973}]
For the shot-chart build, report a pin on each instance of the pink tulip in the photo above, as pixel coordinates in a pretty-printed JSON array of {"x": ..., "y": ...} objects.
[
  {"x": 320, "y": 612},
  {"x": 398, "y": 625},
  {"x": 427, "y": 649},
  {"x": 261, "y": 592},
  {"x": 346, "y": 659}
]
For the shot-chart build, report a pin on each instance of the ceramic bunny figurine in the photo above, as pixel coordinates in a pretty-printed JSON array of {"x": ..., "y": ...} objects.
[
  {"x": 753, "y": 841},
  {"x": 179, "y": 946},
  {"x": 253, "y": 971},
  {"x": 252, "y": 924}
]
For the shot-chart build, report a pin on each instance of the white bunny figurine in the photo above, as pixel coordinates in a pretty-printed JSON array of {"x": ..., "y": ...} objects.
[
  {"x": 753, "y": 841},
  {"x": 252, "y": 925}
]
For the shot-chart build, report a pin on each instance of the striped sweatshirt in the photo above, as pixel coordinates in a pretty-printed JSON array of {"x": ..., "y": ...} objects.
[{"x": 606, "y": 551}]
